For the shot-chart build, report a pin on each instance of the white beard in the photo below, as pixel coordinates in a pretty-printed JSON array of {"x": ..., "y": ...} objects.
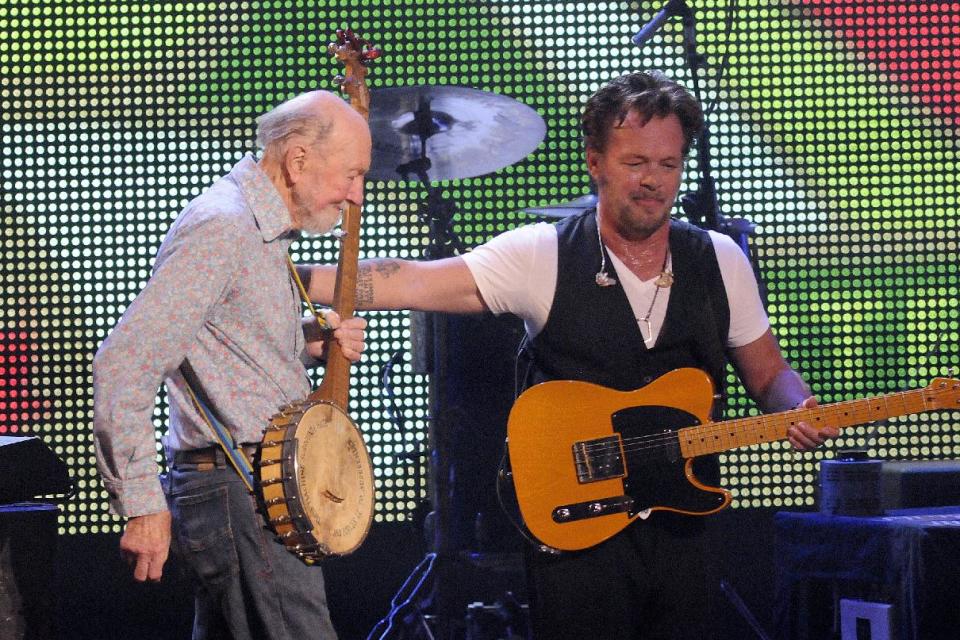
[{"x": 314, "y": 223}]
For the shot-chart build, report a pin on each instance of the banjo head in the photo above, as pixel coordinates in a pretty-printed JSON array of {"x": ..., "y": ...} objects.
[{"x": 334, "y": 476}]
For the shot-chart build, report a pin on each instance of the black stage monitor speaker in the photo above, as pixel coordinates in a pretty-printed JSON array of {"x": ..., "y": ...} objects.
[
  {"x": 921, "y": 483},
  {"x": 478, "y": 390},
  {"x": 30, "y": 469}
]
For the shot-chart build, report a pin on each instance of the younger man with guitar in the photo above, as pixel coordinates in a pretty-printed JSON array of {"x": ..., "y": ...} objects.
[
  {"x": 617, "y": 296},
  {"x": 221, "y": 297}
]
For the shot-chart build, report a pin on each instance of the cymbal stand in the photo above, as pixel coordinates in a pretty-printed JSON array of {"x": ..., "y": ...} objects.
[{"x": 425, "y": 587}]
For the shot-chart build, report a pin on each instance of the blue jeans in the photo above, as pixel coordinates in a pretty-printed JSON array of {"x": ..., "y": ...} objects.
[{"x": 248, "y": 586}]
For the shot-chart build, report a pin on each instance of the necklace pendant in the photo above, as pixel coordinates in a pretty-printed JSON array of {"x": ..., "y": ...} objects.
[
  {"x": 649, "y": 334},
  {"x": 664, "y": 280}
]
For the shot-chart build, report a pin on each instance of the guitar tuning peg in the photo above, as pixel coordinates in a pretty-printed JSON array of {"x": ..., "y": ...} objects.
[{"x": 339, "y": 80}]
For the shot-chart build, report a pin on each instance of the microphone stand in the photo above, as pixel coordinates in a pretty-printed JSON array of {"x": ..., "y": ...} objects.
[{"x": 701, "y": 206}]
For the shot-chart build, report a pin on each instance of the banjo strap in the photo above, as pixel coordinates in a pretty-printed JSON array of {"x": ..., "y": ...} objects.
[
  {"x": 234, "y": 454},
  {"x": 238, "y": 459}
]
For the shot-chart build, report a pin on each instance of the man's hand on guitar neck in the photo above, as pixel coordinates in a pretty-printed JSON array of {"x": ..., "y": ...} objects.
[
  {"x": 804, "y": 436},
  {"x": 145, "y": 545},
  {"x": 349, "y": 333}
]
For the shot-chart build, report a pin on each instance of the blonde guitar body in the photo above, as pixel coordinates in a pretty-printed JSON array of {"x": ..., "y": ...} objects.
[
  {"x": 548, "y": 421},
  {"x": 586, "y": 461}
]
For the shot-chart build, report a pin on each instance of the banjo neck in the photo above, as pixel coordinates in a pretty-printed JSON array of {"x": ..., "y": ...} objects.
[
  {"x": 335, "y": 386},
  {"x": 355, "y": 53}
]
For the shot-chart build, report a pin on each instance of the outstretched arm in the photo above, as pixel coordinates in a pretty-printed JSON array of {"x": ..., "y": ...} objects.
[{"x": 390, "y": 283}]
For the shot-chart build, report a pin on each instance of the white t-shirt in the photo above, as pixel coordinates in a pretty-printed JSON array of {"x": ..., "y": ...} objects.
[{"x": 516, "y": 272}]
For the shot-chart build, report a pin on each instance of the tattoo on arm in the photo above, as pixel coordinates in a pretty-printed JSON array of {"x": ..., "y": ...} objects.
[
  {"x": 364, "y": 285},
  {"x": 386, "y": 268},
  {"x": 382, "y": 269}
]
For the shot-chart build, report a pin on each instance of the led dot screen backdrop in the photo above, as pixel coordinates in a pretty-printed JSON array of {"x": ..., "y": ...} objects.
[{"x": 833, "y": 127}]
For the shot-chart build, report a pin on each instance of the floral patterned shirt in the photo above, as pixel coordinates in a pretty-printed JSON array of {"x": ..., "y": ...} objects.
[{"x": 220, "y": 295}]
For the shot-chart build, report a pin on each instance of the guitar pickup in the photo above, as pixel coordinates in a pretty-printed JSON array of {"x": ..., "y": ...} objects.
[
  {"x": 599, "y": 459},
  {"x": 591, "y": 509}
]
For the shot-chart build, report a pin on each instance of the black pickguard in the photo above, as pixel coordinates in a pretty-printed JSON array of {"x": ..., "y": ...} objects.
[{"x": 655, "y": 474}]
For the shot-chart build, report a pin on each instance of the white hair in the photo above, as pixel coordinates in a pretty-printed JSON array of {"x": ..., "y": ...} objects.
[{"x": 297, "y": 116}]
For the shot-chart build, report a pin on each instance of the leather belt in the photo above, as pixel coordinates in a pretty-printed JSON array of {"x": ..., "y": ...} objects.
[{"x": 211, "y": 457}]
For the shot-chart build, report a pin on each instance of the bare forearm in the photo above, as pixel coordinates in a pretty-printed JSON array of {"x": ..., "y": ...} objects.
[
  {"x": 776, "y": 387},
  {"x": 382, "y": 283},
  {"x": 391, "y": 283},
  {"x": 785, "y": 391},
  {"x": 386, "y": 283},
  {"x": 767, "y": 377}
]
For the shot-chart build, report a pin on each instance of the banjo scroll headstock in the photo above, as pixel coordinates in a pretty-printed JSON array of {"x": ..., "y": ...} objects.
[{"x": 355, "y": 54}]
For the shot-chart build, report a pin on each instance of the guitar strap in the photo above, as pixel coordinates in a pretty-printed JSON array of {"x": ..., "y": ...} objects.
[
  {"x": 321, "y": 319},
  {"x": 236, "y": 456}
]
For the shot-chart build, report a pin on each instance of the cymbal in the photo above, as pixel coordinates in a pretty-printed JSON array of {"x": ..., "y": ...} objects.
[
  {"x": 564, "y": 209},
  {"x": 463, "y": 132}
]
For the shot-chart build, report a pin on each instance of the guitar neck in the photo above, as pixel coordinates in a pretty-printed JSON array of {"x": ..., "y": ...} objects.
[
  {"x": 335, "y": 386},
  {"x": 714, "y": 437}
]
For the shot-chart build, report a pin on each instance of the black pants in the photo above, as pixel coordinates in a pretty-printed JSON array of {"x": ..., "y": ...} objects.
[{"x": 653, "y": 581}]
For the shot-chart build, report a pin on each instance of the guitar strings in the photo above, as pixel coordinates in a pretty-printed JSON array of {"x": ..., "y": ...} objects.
[{"x": 755, "y": 424}]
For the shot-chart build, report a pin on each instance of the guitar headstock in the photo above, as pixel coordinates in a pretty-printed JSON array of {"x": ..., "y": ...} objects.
[
  {"x": 942, "y": 393},
  {"x": 355, "y": 54}
]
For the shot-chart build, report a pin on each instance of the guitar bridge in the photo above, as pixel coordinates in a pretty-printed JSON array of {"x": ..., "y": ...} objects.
[{"x": 599, "y": 459}]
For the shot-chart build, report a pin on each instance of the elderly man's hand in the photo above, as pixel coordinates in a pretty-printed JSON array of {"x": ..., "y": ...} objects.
[
  {"x": 145, "y": 545},
  {"x": 804, "y": 436},
  {"x": 349, "y": 333}
]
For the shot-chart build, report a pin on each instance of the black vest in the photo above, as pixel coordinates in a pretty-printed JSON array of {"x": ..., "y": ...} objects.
[{"x": 591, "y": 332}]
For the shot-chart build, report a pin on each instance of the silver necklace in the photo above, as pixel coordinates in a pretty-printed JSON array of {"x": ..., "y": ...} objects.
[{"x": 663, "y": 281}]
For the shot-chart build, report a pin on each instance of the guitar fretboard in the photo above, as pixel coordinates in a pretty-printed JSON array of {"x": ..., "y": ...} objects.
[{"x": 715, "y": 437}]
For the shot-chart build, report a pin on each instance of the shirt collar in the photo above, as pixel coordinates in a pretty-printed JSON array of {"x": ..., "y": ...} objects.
[{"x": 270, "y": 212}]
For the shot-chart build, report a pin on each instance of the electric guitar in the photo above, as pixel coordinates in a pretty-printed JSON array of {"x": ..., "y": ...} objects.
[{"x": 586, "y": 461}]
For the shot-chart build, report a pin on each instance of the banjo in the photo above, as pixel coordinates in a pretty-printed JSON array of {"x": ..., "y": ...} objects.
[{"x": 313, "y": 473}]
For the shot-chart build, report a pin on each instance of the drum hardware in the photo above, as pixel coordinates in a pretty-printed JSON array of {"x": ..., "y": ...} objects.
[
  {"x": 426, "y": 134},
  {"x": 430, "y": 133},
  {"x": 565, "y": 209}
]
